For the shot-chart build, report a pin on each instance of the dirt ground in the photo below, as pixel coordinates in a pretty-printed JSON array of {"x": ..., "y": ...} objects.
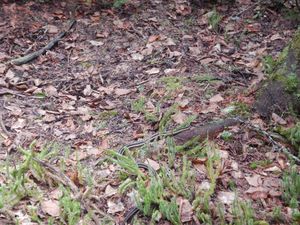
[{"x": 111, "y": 80}]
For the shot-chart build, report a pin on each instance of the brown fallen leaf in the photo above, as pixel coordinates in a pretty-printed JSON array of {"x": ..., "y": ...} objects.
[
  {"x": 114, "y": 207},
  {"x": 277, "y": 119},
  {"x": 153, "y": 71},
  {"x": 110, "y": 191},
  {"x": 122, "y": 91},
  {"x": 226, "y": 197},
  {"x": 185, "y": 210},
  {"x": 153, "y": 38},
  {"x": 51, "y": 207},
  {"x": 257, "y": 192},
  {"x": 153, "y": 164},
  {"x": 255, "y": 180},
  {"x": 179, "y": 117},
  {"x": 216, "y": 98}
]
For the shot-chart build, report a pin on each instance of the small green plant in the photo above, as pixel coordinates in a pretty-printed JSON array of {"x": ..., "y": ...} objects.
[
  {"x": 226, "y": 135},
  {"x": 70, "y": 208},
  {"x": 291, "y": 83},
  {"x": 108, "y": 114},
  {"x": 214, "y": 19},
  {"x": 232, "y": 185},
  {"x": 213, "y": 168},
  {"x": 239, "y": 109},
  {"x": 172, "y": 83},
  {"x": 18, "y": 184},
  {"x": 260, "y": 163},
  {"x": 119, "y": 3},
  {"x": 269, "y": 64},
  {"x": 242, "y": 213},
  {"x": 204, "y": 78},
  {"x": 292, "y": 134},
  {"x": 138, "y": 105},
  {"x": 291, "y": 187},
  {"x": 277, "y": 216}
]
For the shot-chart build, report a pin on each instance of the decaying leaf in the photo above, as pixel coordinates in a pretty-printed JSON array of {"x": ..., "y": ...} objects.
[{"x": 51, "y": 207}]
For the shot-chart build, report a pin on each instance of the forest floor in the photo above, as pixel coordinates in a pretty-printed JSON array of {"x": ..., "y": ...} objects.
[{"x": 121, "y": 75}]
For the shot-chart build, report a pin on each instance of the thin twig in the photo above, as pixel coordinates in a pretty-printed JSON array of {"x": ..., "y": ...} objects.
[
  {"x": 31, "y": 56},
  {"x": 278, "y": 147}
]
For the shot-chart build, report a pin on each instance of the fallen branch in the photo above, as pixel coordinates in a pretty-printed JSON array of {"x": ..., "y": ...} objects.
[
  {"x": 31, "y": 56},
  {"x": 206, "y": 131}
]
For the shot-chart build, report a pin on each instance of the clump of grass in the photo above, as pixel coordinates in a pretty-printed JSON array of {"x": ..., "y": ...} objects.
[
  {"x": 260, "y": 163},
  {"x": 204, "y": 78},
  {"x": 70, "y": 208},
  {"x": 172, "y": 83},
  {"x": 108, "y": 114},
  {"x": 226, "y": 135},
  {"x": 291, "y": 187},
  {"x": 139, "y": 106},
  {"x": 242, "y": 213},
  {"x": 293, "y": 135},
  {"x": 238, "y": 109},
  {"x": 214, "y": 19}
]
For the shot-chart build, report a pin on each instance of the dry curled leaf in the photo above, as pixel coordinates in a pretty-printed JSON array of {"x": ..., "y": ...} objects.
[{"x": 51, "y": 207}]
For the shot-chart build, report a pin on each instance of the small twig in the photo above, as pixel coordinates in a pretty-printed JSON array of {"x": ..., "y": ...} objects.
[
  {"x": 278, "y": 147},
  {"x": 248, "y": 8},
  {"x": 31, "y": 56}
]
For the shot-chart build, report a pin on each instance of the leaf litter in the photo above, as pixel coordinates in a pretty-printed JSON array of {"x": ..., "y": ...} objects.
[{"x": 80, "y": 94}]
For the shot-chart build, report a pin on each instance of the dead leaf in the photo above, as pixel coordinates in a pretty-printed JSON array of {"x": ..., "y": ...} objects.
[
  {"x": 153, "y": 38},
  {"x": 171, "y": 72},
  {"x": 179, "y": 117},
  {"x": 110, "y": 191},
  {"x": 183, "y": 9},
  {"x": 153, "y": 71},
  {"x": 204, "y": 186},
  {"x": 121, "y": 91},
  {"x": 2, "y": 68},
  {"x": 226, "y": 197},
  {"x": 114, "y": 207},
  {"x": 51, "y": 207},
  {"x": 216, "y": 98},
  {"x": 96, "y": 43},
  {"x": 50, "y": 91},
  {"x": 273, "y": 169},
  {"x": 185, "y": 210},
  {"x": 52, "y": 29},
  {"x": 211, "y": 108},
  {"x": 148, "y": 50},
  {"x": 153, "y": 164},
  {"x": 20, "y": 123},
  {"x": 195, "y": 51},
  {"x": 277, "y": 119},
  {"x": 206, "y": 61},
  {"x": 255, "y": 180},
  {"x": 257, "y": 192},
  {"x": 87, "y": 90},
  {"x": 137, "y": 56},
  {"x": 169, "y": 42},
  {"x": 276, "y": 37}
]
